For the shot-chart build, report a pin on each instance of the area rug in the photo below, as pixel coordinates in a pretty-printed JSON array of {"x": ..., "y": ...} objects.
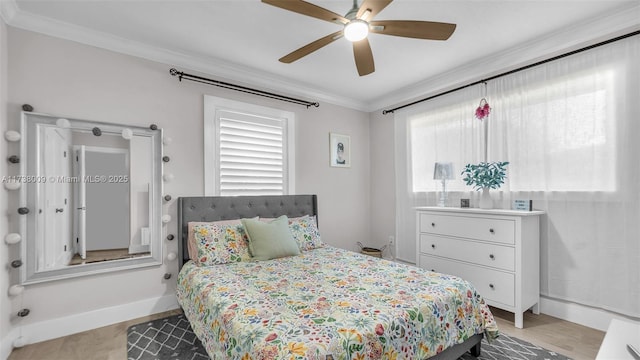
[{"x": 171, "y": 338}]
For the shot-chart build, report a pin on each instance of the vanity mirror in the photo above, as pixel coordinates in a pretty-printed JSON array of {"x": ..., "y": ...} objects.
[{"x": 93, "y": 193}]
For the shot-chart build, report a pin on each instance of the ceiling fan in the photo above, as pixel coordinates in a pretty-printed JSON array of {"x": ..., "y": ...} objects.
[{"x": 358, "y": 23}]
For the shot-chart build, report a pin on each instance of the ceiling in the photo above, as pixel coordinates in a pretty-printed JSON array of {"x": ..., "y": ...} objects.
[{"x": 242, "y": 40}]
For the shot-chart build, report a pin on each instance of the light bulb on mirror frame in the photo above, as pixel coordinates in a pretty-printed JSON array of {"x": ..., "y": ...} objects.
[
  {"x": 12, "y": 136},
  {"x": 63, "y": 123},
  {"x": 15, "y": 290},
  {"x": 12, "y": 185},
  {"x": 12, "y": 238},
  {"x": 127, "y": 134}
]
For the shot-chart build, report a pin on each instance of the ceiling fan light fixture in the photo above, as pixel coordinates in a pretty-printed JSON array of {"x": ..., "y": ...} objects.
[
  {"x": 357, "y": 23},
  {"x": 356, "y": 30}
]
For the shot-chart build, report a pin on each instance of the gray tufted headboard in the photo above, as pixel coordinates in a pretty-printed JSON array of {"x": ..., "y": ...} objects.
[{"x": 214, "y": 208}]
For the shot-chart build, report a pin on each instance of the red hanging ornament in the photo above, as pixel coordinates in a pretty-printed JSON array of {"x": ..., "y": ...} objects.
[{"x": 483, "y": 109}]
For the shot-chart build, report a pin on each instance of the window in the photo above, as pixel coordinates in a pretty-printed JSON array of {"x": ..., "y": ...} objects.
[
  {"x": 447, "y": 135},
  {"x": 248, "y": 149},
  {"x": 558, "y": 135},
  {"x": 442, "y": 130}
]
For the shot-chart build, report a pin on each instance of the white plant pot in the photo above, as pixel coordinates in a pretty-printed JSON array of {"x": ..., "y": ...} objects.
[{"x": 485, "y": 199}]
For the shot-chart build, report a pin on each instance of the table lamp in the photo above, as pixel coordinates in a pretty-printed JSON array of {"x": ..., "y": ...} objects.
[{"x": 443, "y": 171}]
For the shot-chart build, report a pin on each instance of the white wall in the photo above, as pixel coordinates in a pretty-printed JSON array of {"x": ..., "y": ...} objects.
[
  {"x": 65, "y": 78},
  {"x": 383, "y": 197}
]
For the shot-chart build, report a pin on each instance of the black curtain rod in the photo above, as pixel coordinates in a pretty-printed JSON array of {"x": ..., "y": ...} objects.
[
  {"x": 516, "y": 70},
  {"x": 181, "y": 75}
]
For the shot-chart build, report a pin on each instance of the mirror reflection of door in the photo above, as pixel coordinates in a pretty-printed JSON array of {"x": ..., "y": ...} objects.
[
  {"x": 80, "y": 218},
  {"x": 141, "y": 202},
  {"x": 55, "y": 205},
  {"x": 103, "y": 202}
]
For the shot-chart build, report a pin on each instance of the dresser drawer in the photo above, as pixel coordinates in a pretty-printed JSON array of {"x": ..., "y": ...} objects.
[
  {"x": 497, "y": 256},
  {"x": 493, "y": 285},
  {"x": 490, "y": 229}
]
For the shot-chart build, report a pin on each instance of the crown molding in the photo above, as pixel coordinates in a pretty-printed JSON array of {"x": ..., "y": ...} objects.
[
  {"x": 620, "y": 21},
  {"x": 212, "y": 66}
]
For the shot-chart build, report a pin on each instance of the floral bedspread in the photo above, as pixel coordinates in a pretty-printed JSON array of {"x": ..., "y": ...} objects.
[{"x": 326, "y": 304}]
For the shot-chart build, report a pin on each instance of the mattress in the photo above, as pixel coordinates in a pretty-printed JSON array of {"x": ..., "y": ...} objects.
[{"x": 329, "y": 303}]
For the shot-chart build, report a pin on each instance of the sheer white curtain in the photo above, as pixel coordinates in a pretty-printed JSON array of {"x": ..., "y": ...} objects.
[
  {"x": 570, "y": 131},
  {"x": 442, "y": 130}
]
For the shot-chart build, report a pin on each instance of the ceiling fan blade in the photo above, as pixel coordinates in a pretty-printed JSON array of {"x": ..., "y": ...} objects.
[
  {"x": 374, "y": 6},
  {"x": 311, "y": 47},
  {"x": 413, "y": 29},
  {"x": 364, "y": 57},
  {"x": 305, "y": 8}
]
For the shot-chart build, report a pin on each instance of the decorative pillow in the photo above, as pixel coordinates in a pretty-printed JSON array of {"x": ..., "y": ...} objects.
[
  {"x": 220, "y": 243},
  {"x": 305, "y": 231},
  {"x": 270, "y": 240},
  {"x": 191, "y": 240}
]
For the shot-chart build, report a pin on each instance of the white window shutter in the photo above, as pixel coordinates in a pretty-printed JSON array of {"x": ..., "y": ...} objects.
[
  {"x": 249, "y": 149},
  {"x": 251, "y": 154}
]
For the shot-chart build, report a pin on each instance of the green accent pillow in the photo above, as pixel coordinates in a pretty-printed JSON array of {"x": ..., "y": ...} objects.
[{"x": 270, "y": 240}]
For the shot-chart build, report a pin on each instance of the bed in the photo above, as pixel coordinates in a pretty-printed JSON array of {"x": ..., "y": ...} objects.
[{"x": 326, "y": 303}]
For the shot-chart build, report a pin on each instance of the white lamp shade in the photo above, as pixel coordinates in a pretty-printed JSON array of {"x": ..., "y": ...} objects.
[
  {"x": 15, "y": 290},
  {"x": 12, "y": 185},
  {"x": 166, "y": 219},
  {"x": 443, "y": 171},
  {"x": 12, "y": 135},
  {"x": 12, "y": 238}
]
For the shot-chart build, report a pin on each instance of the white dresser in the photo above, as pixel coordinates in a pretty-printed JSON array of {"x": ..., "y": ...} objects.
[{"x": 498, "y": 251}]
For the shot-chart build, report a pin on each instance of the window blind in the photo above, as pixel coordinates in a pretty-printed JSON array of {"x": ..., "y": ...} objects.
[{"x": 251, "y": 154}]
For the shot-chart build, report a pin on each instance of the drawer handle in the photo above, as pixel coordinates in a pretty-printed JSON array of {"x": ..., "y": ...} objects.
[
  {"x": 492, "y": 257},
  {"x": 433, "y": 224},
  {"x": 492, "y": 287},
  {"x": 492, "y": 231},
  {"x": 433, "y": 246}
]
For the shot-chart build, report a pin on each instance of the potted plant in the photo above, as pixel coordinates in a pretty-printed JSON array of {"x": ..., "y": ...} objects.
[{"x": 485, "y": 176}]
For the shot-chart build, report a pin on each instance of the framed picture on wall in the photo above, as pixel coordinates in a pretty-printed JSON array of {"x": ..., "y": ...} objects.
[{"x": 340, "y": 150}]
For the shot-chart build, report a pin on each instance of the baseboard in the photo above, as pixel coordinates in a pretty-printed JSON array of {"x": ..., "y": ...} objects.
[
  {"x": 580, "y": 314},
  {"x": 6, "y": 346},
  {"x": 55, "y": 328}
]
